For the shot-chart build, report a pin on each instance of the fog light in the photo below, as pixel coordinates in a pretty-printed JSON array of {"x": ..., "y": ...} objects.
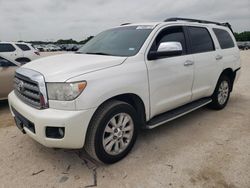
[
  {"x": 55, "y": 132},
  {"x": 61, "y": 132}
]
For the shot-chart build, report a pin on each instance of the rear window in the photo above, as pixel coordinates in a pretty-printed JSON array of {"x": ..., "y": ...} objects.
[
  {"x": 33, "y": 47},
  {"x": 23, "y": 47},
  {"x": 224, "y": 38},
  {"x": 4, "y": 47},
  {"x": 201, "y": 40}
]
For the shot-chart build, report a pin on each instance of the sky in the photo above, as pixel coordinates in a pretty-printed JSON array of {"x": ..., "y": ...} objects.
[{"x": 50, "y": 20}]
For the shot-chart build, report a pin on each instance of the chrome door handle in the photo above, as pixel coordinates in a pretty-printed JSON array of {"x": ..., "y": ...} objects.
[
  {"x": 218, "y": 57},
  {"x": 188, "y": 63}
]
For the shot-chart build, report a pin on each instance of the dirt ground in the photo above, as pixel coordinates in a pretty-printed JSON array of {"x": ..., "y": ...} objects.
[{"x": 203, "y": 149}]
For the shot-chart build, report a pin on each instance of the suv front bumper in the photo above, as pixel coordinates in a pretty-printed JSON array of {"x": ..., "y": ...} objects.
[{"x": 75, "y": 123}]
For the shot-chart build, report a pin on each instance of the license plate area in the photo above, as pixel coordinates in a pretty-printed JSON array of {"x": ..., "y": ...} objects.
[
  {"x": 22, "y": 122},
  {"x": 19, "y": 124}
]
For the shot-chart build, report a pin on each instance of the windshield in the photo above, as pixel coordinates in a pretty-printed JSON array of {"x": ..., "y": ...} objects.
[{"x": 122, "y": 41}]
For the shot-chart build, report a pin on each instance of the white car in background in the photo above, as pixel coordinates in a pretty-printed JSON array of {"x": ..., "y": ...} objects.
[
  {"x": 12, "y": 56},
  {"x": 18, "y": 52}
]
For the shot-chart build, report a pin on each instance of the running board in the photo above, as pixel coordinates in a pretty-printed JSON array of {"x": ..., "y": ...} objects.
[{"x": 178, "y": 112}]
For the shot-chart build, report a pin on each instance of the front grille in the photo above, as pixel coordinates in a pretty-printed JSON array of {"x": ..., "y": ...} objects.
[{"x": 27, "y": 90}]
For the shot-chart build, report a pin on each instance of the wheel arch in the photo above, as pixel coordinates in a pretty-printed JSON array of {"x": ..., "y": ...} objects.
[
  {"x": 23, "y": 60},
  {"x": 231, "y": 75},
  {"x": 135, "y": 101}
]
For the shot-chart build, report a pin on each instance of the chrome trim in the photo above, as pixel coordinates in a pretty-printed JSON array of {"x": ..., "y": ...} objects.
[
  {"x": 219, "y": 57},
  {"x": 169, "y": 47},
  {"x": 118, "y": 134},
  {"x": 173, "y": 118},
  {"x": 188, "y": 63},
  {"x": 39, "y": 79}
]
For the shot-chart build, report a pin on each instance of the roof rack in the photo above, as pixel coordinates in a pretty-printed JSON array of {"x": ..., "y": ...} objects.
[{"x": 199, "y": 21}]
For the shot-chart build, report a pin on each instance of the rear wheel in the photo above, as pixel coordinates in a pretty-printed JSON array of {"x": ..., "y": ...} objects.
[
  {"x": 23, "y": 60},
  {"x": 112, "y": 132},
  {"x": 221, "y": 94}
]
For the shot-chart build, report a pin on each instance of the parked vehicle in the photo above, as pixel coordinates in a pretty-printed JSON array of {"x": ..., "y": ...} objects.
[
  {"x": 126, "y": 78},
  {"x": 13, "y": 55},
  {"x": 70, "y": 47},
  {"x": 18, "y": 52},
  {"x": 40, "y": 48},
  {"x": 52, "y": 48},
  {"x": 244, "y": 45},
  {"x": 57, "y": 48},
  {"x": 7, "y": 72}
]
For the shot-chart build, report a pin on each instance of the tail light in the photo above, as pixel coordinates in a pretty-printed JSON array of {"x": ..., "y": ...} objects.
[{"x": 37, "y": 53}]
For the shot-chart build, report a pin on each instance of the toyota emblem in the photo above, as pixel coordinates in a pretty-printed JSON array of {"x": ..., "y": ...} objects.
[{"x": 20, "y": 86}]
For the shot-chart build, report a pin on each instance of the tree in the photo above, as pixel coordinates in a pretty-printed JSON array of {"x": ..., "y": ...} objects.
[
  {"x": 66, "y": 41},
  {"x": 244, "y": 36},
  {"x": 86, "y": 40}
]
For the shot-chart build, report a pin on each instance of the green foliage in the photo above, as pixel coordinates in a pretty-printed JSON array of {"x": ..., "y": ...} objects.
[
  {"x": 71, "y": 41},
  {"x": 86, "y": 40},
  {"x": 66, "y": 41},
  {"x": 244, "y": 36},
  {"x": 61, "y": 41}
]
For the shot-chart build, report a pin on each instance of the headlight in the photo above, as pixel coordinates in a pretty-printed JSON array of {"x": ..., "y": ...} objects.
[{"x": 65, "y": 91}]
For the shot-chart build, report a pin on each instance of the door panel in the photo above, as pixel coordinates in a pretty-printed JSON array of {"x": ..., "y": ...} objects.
[
  {"x": 170, "y": 78},
  {"x": 206, "y": 72},
  {"x": 206, "y": 67},
  {"x": 170, "y": 83},
  {"x": 25, "y": 50},
  {"x": 9, "y": 51}
]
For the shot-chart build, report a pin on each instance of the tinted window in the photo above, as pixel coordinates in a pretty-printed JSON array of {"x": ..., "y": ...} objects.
[
  {"x": 33, "y": 47},
  {"x": 173, "y": 34},
  {"x": 122, "y": 41},
  {"x": 5, "y": 63},
  {"x": 6, "y": 47},
  {"x": 23, "y": 47},
  {"x": 201, "y": 40},
  {"x": 224, "y": 38}
]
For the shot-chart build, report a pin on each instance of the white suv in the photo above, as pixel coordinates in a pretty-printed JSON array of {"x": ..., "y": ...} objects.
[
  {"x": 126, "y": 78},
  {"x": 18, "y": 52}
]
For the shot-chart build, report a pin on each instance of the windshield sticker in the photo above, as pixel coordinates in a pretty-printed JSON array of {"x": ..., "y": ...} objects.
[
  {"x": 145, "y": 27},
  {"x": 131, "y": 49}
]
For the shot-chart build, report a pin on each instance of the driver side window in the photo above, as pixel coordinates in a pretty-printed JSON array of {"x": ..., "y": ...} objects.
[{"x": 170, "y": 34}]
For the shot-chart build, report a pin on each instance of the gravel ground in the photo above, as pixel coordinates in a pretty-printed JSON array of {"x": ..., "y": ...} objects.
[{"x": 203, "y": 149}]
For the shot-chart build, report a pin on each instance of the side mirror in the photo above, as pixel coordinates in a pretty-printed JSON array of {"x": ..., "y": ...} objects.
[{"x": 166, "y": 49}]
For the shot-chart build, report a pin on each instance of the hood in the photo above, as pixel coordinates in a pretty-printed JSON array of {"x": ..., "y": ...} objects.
[{"x": 60, "y": 68}]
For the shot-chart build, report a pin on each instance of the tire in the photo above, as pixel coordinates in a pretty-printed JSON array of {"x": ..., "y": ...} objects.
[
  {"x": 221, "y": 93},
  {"x": 101, "y": 130},
  {"x": 23, "y": 60}
]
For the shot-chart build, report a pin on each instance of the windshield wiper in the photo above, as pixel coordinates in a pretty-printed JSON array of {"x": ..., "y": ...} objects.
[{"x": 98, "y": 53}]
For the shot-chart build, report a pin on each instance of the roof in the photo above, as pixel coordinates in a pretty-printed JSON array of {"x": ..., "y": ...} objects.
[
  {"x": 185, "y": 21},
  {"x": 1, "y": 42}
]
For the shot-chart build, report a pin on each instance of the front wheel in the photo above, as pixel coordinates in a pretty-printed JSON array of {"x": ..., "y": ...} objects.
[
  {"x": 221, "y": 94},
  {"x": 112, "y": 132}
]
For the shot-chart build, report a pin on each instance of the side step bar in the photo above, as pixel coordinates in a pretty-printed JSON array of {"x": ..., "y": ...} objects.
[{"x": 178, "y": 112}]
